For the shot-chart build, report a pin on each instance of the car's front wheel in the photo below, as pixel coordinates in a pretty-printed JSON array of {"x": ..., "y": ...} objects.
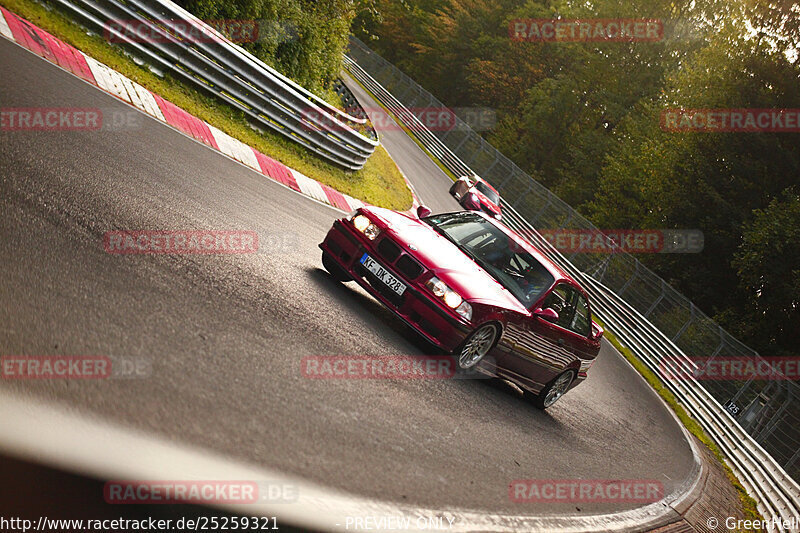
[
  {"x": 553, "y": 391},
  {"x": 333, "y": 268},
  {"x": 476, "y": 346}
]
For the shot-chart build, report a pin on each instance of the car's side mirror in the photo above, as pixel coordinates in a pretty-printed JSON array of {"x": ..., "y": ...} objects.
[
  {"x": 548, "y": 314},
  {"x": 597, "y": 332},
  {"x": 423, "y": 211}
]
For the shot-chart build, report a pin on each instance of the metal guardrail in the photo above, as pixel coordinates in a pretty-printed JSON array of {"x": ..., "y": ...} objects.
[
  {"x": 224, "y": 70},
  {"x": 777, "y": 494}
]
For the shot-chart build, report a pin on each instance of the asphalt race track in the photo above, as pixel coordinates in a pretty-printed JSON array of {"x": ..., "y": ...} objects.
[{"x": 223, "y": 335}]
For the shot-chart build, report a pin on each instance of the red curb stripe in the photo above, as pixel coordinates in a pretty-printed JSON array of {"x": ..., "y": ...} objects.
[
  {"x": 180, "y": 120},
  {"x": 20, "y": 35},
  {"x": 335, "y": 198},
  {"x": 284, "y": 175},
  {"x": 210, "y": 136},
  {"x": 58, "y": 52},
  {"x": 162, "y": 105},
  {"x": 190, "y": 123},
  {"x": 271, "y": 169},
  {"x": 189, "y": 120},
  {"x": 79, "y": 63},
  {"x": 46, "y": 40}
]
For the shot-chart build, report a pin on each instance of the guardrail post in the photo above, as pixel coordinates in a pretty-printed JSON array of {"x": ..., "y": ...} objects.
[
  {"x": 686, "y": 325},
  {"x": 657, "y": 301}
]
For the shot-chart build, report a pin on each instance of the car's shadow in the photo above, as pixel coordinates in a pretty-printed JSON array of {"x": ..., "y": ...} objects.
[{"x": 364, "y": 304}]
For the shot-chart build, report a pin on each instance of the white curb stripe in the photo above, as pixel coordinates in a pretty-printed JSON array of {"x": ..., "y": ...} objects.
[
  {"x": 245, "y": 154},
  {"x": 222, "y": 140},
  {"x": 118, "y": 86},
  {"x": 310, "y": 187},
  {"x": 234, "y": 148},
  {"x": 149, "y": 101},
  {"x": 133, "y": 96},
  {"x": 100, "y": 74},
  {"x": 354, "y": 203},
  {"x": 4, "y": 29}
]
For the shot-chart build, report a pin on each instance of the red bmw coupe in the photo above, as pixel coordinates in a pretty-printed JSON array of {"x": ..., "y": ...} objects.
[
  {"x": 474, "y": 288},
  {"x": 476, "y": 194}
]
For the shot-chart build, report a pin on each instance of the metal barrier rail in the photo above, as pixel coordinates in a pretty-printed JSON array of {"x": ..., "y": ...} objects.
[
  {"x": 218, "y": 67},
  {"x": 777, "y": 494}
]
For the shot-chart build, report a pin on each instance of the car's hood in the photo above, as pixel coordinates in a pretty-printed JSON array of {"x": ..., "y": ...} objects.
[{"x": 446, "y": 260}]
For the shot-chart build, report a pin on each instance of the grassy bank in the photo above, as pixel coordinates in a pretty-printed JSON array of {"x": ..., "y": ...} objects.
[{"x": 379, "y": 182}]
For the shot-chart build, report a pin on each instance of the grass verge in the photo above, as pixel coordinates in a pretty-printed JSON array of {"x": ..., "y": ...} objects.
[
  {"x": 748, "y": 503},
  {"x": 379, "y": 182}
]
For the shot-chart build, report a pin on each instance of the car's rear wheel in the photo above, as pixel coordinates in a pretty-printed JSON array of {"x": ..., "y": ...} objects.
[
  {"x": 333, "y": 268},
  {"x": 454, "y": 189},
  {"x": 476, "y": 346},
  {"x": 553, "y": 391}
]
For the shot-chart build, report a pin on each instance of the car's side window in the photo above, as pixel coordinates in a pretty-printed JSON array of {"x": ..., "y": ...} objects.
[
  {"x": 561, "y": 301},
  {"x": 581, "y": 323}
]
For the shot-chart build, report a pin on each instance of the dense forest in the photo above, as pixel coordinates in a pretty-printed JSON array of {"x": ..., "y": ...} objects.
[{"x": 583, "y": 119}]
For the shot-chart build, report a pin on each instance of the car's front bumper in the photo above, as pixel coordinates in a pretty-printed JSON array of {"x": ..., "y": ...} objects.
[{"x": 345, "y": 246}]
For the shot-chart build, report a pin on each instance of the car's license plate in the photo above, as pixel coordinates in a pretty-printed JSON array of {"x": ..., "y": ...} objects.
[{"x": 387, "y": 278}]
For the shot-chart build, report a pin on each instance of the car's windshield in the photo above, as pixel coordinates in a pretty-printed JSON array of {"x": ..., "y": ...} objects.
[
  {"x": 490, "y": 194},
  {"x": 514, "y": 268}
]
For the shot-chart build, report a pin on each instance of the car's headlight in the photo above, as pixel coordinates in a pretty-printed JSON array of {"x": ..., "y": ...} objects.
[
  {"x": 365, "y": 226},
  {"x": 465, "y": 310},
  {"x": 451, "y": 298},
  {"x": 361, "y": 222},
  {"x": 437, "y": 286}
]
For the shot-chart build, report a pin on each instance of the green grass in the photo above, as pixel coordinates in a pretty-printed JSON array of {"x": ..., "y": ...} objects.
[
  {"x": 379, "y": 182},
  {"x": 748, "y": 503}
]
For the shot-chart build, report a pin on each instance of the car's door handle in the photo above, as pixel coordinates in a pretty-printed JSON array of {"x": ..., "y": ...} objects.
[{"x": 561, "y": 342}]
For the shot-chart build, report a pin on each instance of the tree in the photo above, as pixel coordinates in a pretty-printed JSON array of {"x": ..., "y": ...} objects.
[{"x": 768, "y": 266}]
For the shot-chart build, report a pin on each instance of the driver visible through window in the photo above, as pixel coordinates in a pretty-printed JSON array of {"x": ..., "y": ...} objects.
[{"x": 515, "y": 269}]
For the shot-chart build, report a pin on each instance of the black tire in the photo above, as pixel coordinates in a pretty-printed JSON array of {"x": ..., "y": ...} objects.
[
  {"x": 465, "y": 363},
  {"x": 333, "y": 268},
  {"x": 544, "y": 399},
  {"x": 453, "y": 189}
]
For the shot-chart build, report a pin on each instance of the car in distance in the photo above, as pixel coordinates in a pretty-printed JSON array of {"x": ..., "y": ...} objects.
[
  {"x": 476, "y": 194},
  {"x": 473, "y": 288}
]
